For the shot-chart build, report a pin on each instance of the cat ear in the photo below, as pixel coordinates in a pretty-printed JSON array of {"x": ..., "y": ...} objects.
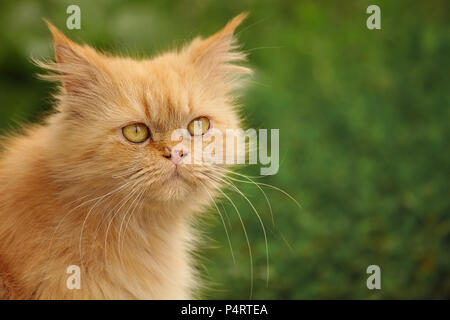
[
  {"x": 218, "y": 54},
  {"x": 78, "y": 67}
]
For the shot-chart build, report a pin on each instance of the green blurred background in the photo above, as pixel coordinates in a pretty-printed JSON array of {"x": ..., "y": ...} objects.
[{"x": 364, "y": 128}]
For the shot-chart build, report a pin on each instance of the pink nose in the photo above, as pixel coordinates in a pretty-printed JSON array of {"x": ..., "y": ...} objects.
[{"x": 176, "y": 156}]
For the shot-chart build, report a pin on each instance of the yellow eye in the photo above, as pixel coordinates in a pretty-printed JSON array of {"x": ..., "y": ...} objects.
[
  {"x": 136, "y": 133},
  {"x": 198, "y": 126}
]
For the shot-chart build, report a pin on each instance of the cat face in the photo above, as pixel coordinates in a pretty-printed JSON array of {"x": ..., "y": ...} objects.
[{"x": 117, "y": 116}]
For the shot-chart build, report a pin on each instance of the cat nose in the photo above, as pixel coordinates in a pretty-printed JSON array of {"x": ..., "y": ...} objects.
[
  {"x": 167, "y": 153},
  {"x": 176, "y": 155}
]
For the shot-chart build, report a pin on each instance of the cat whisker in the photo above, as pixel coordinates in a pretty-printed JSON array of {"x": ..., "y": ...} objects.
[
  {"x": 260, "y": 189},
  {"x": 107, "y": 212},
  {"x": 223, "y": 221},
  {"x": 131, "y": 215},
  {"x": 127, "y": 198},
  {"x": 227, "y": 218},
  {"x": 140, "y": 206},
  {"x": 134, "y": 205},
  {"x": 265, "y": 185},
  {"x": 267, "y": 47},
  {"x": 84, "y": 203},
  {"x": 89, "y": 213},
  {"x": 246, "y": 238},
  {"x": 261, "y": 223},
  {"x": 71, "y": 211},
  {"x": 139, "y": 174},
  {"x": 258, "y": 184},
  {"x": 251, "y": 25}
]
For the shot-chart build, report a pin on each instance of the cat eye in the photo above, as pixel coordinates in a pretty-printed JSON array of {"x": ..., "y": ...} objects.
[
  {"x": 198, "y": 126},
  {"x": 136, "y": 132}
]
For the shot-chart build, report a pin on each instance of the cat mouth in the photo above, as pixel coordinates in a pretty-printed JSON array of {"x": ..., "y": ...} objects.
[
  {"x": 176, "y": 174},
  {"x": 175, "y": 177}
]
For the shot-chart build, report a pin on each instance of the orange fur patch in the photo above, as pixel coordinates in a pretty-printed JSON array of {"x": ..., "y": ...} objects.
[{"x": 75, "y": 192}]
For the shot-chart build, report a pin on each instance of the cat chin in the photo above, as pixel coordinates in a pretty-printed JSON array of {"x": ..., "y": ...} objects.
[
  {"x": 179, "y": 190},
  {"x": 174, "y": 189},
  {"x": 175, "y": 194}
]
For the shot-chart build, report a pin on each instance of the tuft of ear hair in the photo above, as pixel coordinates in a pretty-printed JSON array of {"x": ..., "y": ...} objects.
[
  {"x": 218, "y": 54},
  {"x": 65, "y": 49},
  {"x": 77, "y": 67}
]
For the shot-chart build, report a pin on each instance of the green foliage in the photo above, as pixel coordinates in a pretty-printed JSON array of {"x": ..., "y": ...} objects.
[{"x": 364, "y": 128}]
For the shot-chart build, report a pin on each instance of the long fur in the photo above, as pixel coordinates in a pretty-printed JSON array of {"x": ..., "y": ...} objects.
[{"x": 73, "y": 191}]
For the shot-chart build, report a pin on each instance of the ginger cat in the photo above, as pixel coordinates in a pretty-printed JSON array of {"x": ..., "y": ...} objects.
[{"x": 98, "y": 186}]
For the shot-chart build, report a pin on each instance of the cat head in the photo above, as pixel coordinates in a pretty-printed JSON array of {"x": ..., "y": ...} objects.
[{"x": 116, "y": 116}]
